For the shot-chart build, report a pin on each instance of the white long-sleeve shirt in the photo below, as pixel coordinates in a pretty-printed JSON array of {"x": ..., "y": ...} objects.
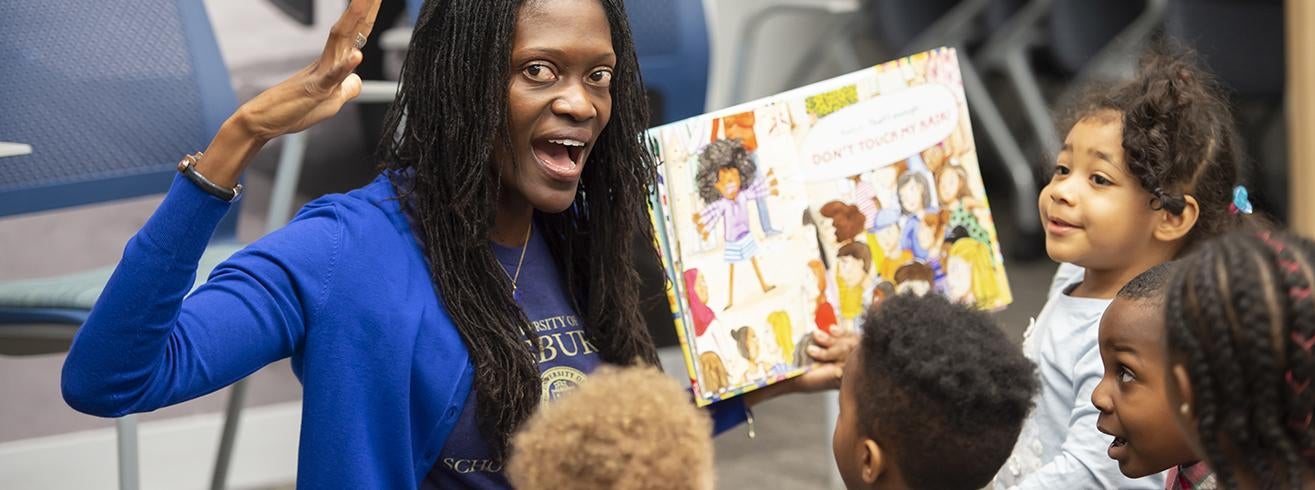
[{"x": 1059, "y": 446}]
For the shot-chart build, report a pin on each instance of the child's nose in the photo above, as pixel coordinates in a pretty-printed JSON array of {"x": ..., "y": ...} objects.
[
  {"x": 1064, "y": 191},
  {"x": 1100, "y": 397}
]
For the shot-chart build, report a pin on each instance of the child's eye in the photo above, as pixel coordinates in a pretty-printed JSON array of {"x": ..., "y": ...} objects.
[
  {"x": 1125, "y": 376},
  {"x": 540, "y": 73},
  {"x": 1061, "y": 169},
  {"x": 601, "y": 78},
  {"x": 1100, "y": 180}
]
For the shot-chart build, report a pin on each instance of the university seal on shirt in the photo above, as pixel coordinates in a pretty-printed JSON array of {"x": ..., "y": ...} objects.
[{"x": 560, "y": 380}]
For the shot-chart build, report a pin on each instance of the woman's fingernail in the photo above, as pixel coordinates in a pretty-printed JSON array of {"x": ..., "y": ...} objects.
[{"x": 814, "y": 350}]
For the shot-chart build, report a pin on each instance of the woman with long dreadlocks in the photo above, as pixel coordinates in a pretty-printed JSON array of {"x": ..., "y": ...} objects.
[{"x": 488, "y": 268}]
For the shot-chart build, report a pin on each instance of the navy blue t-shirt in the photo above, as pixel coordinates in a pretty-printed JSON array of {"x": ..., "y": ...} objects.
[{"x": 566, "y": 356}]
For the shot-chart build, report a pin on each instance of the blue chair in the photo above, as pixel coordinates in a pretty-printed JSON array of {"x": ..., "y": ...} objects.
[
  {"x": 413, "y": 9},
  {"x": 671, "y": 39},
  {"x": 109, "y": 95}
]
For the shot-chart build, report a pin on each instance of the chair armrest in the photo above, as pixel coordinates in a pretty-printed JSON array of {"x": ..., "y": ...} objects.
[
  {"x": 377, "y": 92},
  {"x": 14, "y": 149}
]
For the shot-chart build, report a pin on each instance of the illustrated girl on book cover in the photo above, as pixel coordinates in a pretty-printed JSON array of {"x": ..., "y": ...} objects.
[{"x": 727, "y": 182}]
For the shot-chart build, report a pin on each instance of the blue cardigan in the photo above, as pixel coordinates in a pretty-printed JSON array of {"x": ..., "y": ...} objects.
[{"x": 343, "y": 290}]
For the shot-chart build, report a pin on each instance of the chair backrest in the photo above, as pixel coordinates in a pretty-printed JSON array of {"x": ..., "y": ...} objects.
[
  {"x": 1079, "y": 29},
  {"x": 109, "y": 94},
  {"x": 671, "y": 39},
  {"x": 302, "y": 11},
  {"x": 896, "y": 23}
]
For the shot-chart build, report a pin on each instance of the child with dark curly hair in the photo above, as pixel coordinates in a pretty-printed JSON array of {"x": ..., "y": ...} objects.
[
  {"x": 933, "y": 397},
  {"x": 624, "y": 429},
  {"x": 727, "y": 182},
  {"x": 1147, "y": 171},
  {"x": 1241, "y": 342}
]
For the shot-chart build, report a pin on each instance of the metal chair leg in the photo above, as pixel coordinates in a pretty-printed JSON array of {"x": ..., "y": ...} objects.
[
  {"x": 291, "y": 159},
  {"x": 1034, "y": 103},
  {"x": 129, "y": 471},
  {"x": 1011, "y": 154},
  {"x": 830, "y": 412},
  {"x": 232, "y": 416},
  {"x": 1006, "y": 49}
]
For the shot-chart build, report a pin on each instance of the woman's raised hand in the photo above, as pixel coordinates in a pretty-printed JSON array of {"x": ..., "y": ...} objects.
[
  {"x": 311, "y": 95},
  {"x": 318, "y": 91}
]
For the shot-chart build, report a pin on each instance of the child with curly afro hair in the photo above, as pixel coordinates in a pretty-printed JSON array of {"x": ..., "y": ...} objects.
[
  {"x": 934, "y": 397},
  {"x": 630, "y": 428}
]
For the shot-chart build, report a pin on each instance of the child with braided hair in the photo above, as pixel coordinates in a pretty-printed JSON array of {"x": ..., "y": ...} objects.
[
  {"x": 1241, "y": 329},
  {"x": 1147, "y": 171}
]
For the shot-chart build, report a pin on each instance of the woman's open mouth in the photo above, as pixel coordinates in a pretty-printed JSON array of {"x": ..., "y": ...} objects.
[{"x": 560, "y": 157}]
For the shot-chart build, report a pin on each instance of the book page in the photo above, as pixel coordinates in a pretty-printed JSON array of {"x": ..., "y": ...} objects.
[{"x": 734, "y": 205}]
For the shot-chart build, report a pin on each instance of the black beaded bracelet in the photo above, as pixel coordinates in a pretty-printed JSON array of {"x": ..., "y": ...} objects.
[{"x": 187, "y": 167}]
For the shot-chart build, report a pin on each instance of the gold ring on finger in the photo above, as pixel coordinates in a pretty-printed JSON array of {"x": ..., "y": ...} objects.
[{"x": 360, "y": 40}]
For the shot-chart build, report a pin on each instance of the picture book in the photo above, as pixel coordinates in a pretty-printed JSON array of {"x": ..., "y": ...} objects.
[{"x": 795, "y": 212}]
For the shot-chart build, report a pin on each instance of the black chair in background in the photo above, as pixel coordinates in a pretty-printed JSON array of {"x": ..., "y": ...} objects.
[
  {"x": 1049, "y": 49},
  {"x": 302, "y": 11},
  {"x": 1242, "y": 42}
]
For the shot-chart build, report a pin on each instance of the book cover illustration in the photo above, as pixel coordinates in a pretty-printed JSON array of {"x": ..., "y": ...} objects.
[{"x": 795, "y": 212}]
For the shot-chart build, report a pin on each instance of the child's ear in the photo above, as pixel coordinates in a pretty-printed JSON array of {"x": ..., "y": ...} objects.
[
  {"x": 1186, "y": 409},
  {"x": 874, "y": 462},
  {"x": 1176, "y": 226},
  {"x": 1187, "y": 406}
]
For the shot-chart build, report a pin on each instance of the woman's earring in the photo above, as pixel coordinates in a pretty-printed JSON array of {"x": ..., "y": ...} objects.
[{"x": 1184, "y": 408}]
